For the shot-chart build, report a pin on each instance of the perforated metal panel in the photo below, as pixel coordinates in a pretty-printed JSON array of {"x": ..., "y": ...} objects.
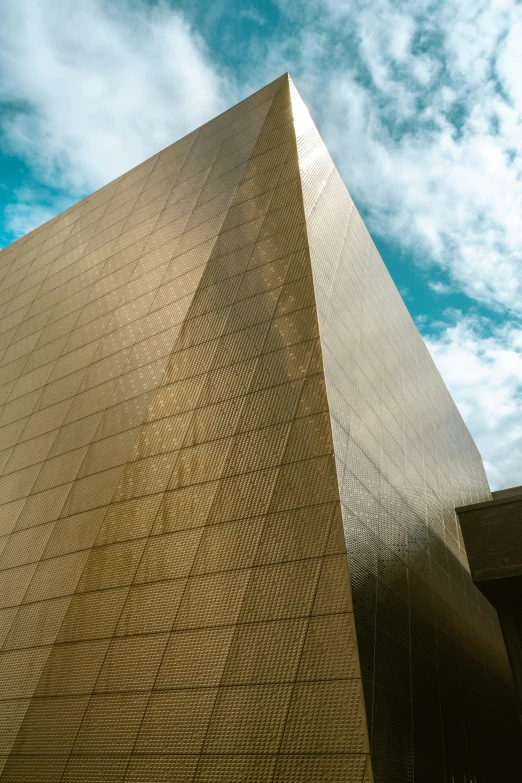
[
  {"x": 439, "y": 695},
  {"x": 211, "y": 390}
]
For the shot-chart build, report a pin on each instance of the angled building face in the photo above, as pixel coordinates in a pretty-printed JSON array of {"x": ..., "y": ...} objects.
[{"x": 228, "y": 545}]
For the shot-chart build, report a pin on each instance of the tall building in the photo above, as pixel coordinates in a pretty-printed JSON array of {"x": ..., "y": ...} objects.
[{"x": 229, "y": 549}]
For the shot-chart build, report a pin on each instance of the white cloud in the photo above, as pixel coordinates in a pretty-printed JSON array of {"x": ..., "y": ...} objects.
[
  {"x": 438, "y": 287},
  {"x": 421, "y": 107},
  {"x": 482, "y": 367},
  {"x": 24, "y": 215},
  {"x": 252, "y": 15},
  {"x": 94, "y": 88}
]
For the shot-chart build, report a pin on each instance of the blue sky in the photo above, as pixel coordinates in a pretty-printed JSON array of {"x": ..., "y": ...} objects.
[{"x": 419, "y": 102}]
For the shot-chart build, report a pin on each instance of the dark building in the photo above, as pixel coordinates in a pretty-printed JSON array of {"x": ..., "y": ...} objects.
[
  {"x": 229, "y": 547},
  {"x": 492, "y": 534}
]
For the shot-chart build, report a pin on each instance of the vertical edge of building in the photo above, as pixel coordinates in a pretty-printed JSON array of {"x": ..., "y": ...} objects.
[{"x": 176, "y": 600}]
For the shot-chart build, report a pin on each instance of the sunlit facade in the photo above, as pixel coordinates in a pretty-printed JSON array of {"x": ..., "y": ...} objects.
[{"x": 228, "y": 544}]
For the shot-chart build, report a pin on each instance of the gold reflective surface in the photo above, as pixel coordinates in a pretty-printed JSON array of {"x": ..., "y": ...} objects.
[
  {"x": 437, "y": 684},
  {"x": 210, "y": 391}
]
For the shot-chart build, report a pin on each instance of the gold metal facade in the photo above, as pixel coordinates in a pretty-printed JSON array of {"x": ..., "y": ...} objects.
[
  {"x": 210, "y": 389},
  {"x": 439, "y": 693}
]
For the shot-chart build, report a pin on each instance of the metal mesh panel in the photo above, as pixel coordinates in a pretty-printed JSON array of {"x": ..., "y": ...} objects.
[
  {"x": 173, "y": 556},
  {"x": 210, "y": 391},
  {"x": 433, "y": 663}
]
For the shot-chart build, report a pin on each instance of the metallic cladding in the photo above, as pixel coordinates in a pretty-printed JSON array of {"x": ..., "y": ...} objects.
[
  {"x": 439, "y": 692},
  {"x": 210, "y": 390}
]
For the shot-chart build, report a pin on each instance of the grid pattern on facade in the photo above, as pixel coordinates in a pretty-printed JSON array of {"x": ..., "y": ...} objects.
[
  {"x": 438, "y": 688},
  {"x": 179, "y": 604},
  {"x": 210, "y": 390}
]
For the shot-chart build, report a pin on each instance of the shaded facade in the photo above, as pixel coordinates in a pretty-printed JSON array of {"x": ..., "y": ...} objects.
[
  {"x": 492, "y": 534},
  {"x": 228, "y": 542}
]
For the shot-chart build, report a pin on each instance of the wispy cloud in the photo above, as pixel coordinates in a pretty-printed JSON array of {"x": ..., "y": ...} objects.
[
  {"x": 421, "y": 105},
  {"x": 91, "y": 89},
  {"x": 483, "y": 371},
  {"x": 25, "y": 214},
  {"x": 438, "y": 287},
  {"x": 252, "y": 15}
]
